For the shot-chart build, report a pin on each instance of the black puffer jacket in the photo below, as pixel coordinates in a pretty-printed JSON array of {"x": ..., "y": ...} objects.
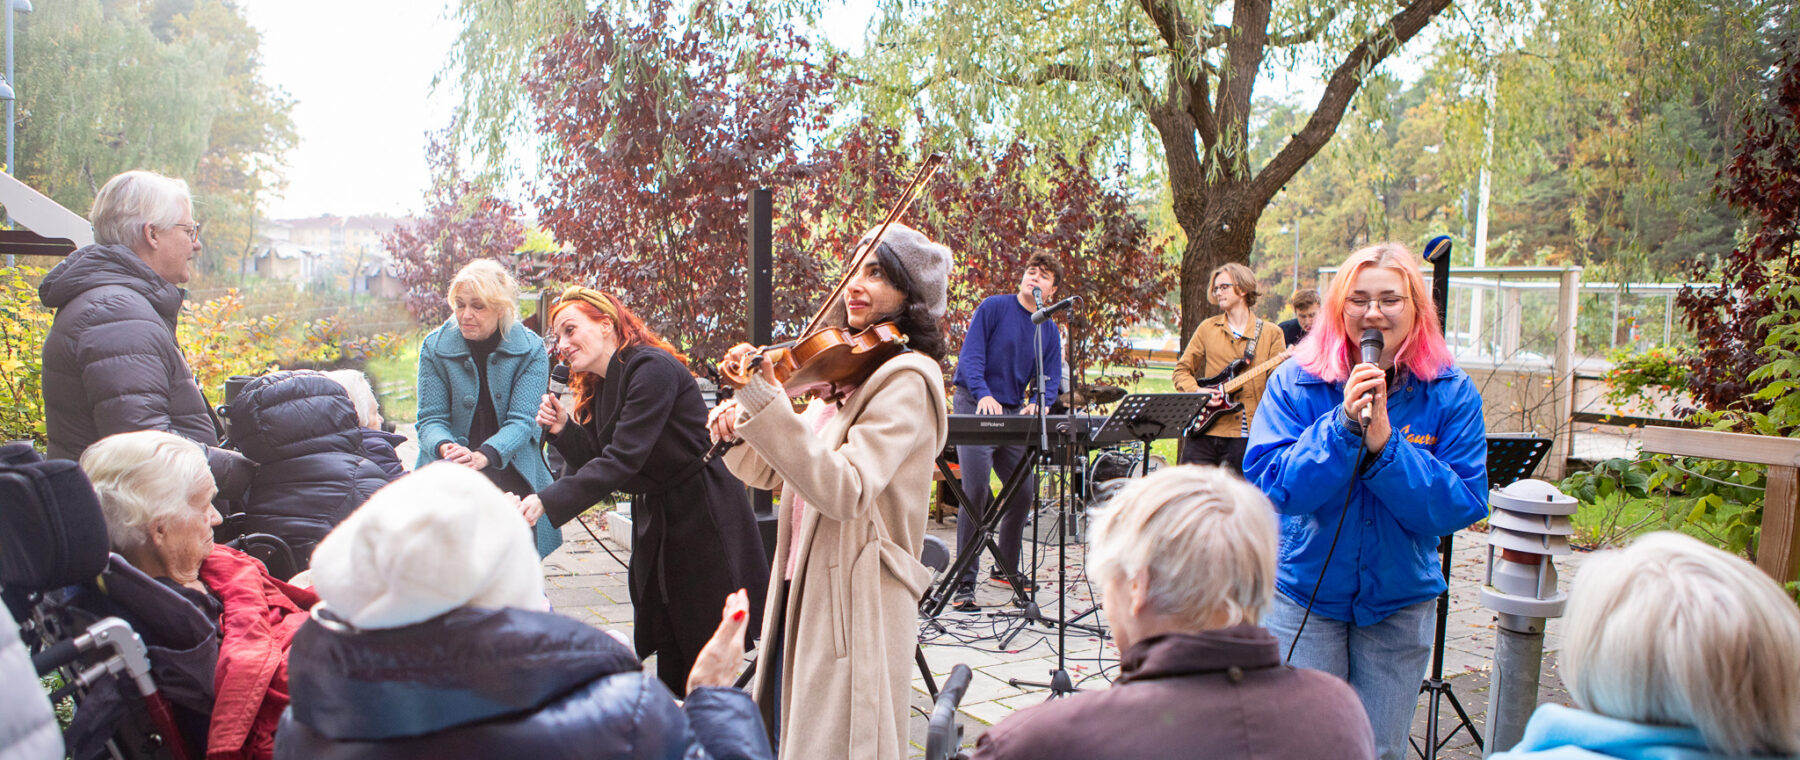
[
  {"x": 111, "y": 363},
  {"x": 479, "y": 683},
  {"x": 299, "y": 427}
]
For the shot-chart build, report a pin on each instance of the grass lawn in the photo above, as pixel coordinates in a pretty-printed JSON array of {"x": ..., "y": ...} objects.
[{"x": 394, "y": 377}]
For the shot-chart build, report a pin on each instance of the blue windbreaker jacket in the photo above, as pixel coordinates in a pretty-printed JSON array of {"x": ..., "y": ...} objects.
[{"x": 1430, "y": 480}]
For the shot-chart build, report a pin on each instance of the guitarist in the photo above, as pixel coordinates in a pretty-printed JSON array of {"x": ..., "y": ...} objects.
[{"x": 1216, "y": 343}]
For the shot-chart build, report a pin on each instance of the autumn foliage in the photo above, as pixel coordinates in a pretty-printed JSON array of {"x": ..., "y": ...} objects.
[
  {"x": 1731, "y": 323},
  {"x": 462, "y": 222},
  {"x": 656, "y": 135}
]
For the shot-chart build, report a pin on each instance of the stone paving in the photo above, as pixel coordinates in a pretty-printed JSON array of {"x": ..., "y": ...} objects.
[{"x": 585, "y": 582}]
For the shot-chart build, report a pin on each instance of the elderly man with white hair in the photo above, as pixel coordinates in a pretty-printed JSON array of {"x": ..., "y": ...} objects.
[
  {"x": 1673, "y": 650},
  {"x": 111, "y": 362},
  {"x": 1186, "y": 562},
  {"x": 432, "y": 642}
]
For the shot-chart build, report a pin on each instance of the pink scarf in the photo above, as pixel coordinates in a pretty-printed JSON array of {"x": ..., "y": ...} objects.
[{"x": 793, "y": 555}]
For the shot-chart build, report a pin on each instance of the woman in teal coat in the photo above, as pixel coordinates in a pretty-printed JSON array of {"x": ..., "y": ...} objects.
[{"x": 481, "y": 376}]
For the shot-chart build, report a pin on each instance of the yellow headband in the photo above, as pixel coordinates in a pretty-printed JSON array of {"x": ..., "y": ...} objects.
[{"x": 593, "y": 297}]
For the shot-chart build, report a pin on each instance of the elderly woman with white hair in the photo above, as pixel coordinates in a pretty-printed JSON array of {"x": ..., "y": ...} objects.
[
  {"x": 481, "y": 376},
  {"x": 381, "y": 446},
  {"x": 155, "y": 490},
  {"x": 432, "y": 642},
  {"x": 111, "y": 363},
  {"x": 1186, "y": 562},
  {"x": 1673, "y": 650}
]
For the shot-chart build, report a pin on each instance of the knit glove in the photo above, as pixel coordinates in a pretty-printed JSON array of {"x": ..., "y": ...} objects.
[{"x": 755, "y": 395}]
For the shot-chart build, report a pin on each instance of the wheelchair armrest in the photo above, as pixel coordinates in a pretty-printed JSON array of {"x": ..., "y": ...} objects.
[{"x": 943, "y": 736}]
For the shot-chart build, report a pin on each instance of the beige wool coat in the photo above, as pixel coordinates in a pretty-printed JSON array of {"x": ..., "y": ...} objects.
[{"x": 851, "y": 610}]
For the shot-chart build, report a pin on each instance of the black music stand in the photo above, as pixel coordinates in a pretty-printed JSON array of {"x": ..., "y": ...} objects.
[
  {"x": 1510, "y": 458},
  {"x": 1145, "y": 417}
]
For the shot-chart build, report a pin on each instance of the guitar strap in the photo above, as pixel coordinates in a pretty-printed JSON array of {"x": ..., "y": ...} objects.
[{"x": 1250, "y": 350}]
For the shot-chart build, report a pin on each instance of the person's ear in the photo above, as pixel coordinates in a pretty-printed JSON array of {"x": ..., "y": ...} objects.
[{"x": 1140, "y": 593}]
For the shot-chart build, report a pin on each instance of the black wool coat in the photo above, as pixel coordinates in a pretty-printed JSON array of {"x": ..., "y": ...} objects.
[{"x": 696, "y": 539}]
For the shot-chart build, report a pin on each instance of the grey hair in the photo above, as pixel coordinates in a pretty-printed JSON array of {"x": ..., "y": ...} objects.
[
  {"x": 142, "y": 478},
  {"x": 486, "y": 280},
  {"x": 362, "y": 396},
  {"x": 136, "y": 198},
  {"x": 1202, "y": 538},
  {"x": 1671, "y": 631}
]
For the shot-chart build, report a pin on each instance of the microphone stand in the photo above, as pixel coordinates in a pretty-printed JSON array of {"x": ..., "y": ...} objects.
[{"x": 1059, "y": 683}]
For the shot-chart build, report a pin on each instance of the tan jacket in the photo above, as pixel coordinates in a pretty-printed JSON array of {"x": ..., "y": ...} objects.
[
  {"x": 1210, "y": 350},
  {"x": 852, "y": 608}
]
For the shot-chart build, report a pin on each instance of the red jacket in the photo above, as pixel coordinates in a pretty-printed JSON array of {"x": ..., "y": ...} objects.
[{"x": 260, "y": 617}]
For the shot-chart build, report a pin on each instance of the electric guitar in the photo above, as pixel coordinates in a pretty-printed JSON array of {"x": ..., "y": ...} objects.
[{"x": 1228, "y": 381}]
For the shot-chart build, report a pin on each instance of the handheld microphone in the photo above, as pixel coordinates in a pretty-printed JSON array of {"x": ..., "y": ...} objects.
[
  {"x": 559, "y": 384},
  {"x": 1371, "y": 354},
  {"x": 1037, "y": 296},
  {"x": 1038, "y": 317}
]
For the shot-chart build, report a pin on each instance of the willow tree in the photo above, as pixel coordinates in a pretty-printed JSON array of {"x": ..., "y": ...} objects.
[{"x": 1186, "y": 69}]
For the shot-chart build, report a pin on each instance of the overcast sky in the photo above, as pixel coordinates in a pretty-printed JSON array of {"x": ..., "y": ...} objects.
[{"x": 360, "y": 75}]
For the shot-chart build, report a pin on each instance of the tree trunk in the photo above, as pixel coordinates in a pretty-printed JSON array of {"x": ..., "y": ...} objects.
[{"x": 1222, "y": 229}]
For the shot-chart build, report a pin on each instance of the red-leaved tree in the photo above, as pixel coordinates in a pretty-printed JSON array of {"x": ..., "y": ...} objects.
[
  {"x": 656, "y": 140},
  {"x": 1762, "y": 181},
  {"x": 462, "y": 222}
]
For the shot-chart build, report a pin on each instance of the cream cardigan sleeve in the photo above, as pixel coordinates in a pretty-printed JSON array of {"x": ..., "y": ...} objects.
[{"x": 845, "y": 482}]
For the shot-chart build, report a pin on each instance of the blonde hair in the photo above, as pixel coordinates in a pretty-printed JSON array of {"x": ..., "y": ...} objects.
[
  {"x": 133, "y": 199},
  {"x": 362, "y": 396},
  {"x": 1241, "y": 277},
  {"x": 142, "y": 478},
  {"x": 1203, "y": 539},
  {"x": 486, "y": 280},
  {"x": 1671, "y": 631}
]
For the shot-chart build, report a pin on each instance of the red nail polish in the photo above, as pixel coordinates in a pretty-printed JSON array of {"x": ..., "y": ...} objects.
[{"x": 740, "y": 614}]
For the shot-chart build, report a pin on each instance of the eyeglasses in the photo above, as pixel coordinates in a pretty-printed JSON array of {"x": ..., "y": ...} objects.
[
  {"x": 193, "y": 230},
  {"x": 1390, "y": 305},
  {"x": 1223, "y": 286}
]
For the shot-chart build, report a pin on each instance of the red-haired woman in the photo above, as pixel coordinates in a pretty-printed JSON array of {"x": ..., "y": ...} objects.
[
  {"x": 1372, "y": 499},
  {"x": 641, "y": 430}
]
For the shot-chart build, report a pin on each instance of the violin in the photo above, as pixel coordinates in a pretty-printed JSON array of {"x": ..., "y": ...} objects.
[{"x": 827, "y": 360}]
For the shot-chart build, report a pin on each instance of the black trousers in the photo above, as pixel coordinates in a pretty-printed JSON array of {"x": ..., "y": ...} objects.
[{"x": 1215, "y": 450}]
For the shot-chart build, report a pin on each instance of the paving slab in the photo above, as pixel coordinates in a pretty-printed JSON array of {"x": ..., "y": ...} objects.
[{"x": 591, "y": 586}]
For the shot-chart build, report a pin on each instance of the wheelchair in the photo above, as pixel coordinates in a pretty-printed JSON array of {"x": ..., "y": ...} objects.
[{"x": 136, "y": 657}]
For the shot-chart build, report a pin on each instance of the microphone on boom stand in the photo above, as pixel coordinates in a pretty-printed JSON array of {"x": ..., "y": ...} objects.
[
  {"x": 1371, "y": 354},
  {"x": 1041, "y": 315}
]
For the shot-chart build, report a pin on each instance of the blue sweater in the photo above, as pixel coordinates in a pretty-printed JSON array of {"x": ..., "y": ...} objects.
[{"x": 996, "y": 358}]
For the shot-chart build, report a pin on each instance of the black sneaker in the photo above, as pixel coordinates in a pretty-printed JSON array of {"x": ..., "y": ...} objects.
[
  {"x": 1028, "y": 586},
  {"x": 964, "y": 600}
]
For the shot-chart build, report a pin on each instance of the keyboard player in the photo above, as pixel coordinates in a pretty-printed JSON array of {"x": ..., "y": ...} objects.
[{"x": 994, "y": 373}]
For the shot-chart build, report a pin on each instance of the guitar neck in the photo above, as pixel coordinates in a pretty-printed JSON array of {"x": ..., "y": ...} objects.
[{"x": 1231, "y": 386}]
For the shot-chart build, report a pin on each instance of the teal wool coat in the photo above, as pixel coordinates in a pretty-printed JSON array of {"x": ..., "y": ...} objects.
[{"x": 518, "y": 374}]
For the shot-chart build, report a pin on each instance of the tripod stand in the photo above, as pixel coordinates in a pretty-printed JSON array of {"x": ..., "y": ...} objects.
[{"x": 1140, "y": 416}]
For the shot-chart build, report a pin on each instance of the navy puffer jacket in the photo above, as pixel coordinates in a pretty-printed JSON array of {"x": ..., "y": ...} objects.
[
  {"x": 300, "y": 429},
  {"x": 480, "y": 683}
]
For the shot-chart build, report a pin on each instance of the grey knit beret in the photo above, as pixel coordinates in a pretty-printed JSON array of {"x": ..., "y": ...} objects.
[{"x": 926, "y": 263}]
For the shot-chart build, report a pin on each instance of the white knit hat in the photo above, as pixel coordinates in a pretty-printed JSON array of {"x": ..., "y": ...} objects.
[{"x": 438, "y": 539}]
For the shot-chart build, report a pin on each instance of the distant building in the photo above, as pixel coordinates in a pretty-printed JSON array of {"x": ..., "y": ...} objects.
[{"x": 344, "y": 252}]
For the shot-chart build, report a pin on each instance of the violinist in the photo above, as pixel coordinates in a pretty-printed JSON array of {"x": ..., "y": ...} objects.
[
  {"x": 855, "y": 471},
  {"x": 639, "y": 428}
]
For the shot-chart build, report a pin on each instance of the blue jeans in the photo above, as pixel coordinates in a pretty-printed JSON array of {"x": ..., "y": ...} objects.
[{"x": 1384, "y": 662}]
